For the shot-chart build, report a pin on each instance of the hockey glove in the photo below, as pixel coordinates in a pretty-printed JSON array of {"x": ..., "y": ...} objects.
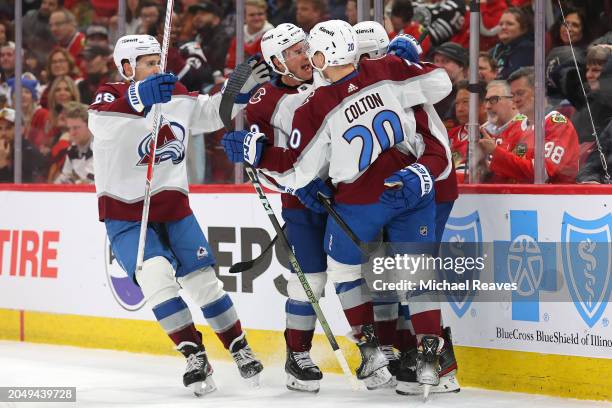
[
  {"x": 308, "y": 195},
  {"x": 155, "y": 89},
  {"x": 243, "y": 145},
  {"x": 405, "y": 46},
  {"x": 407, "y": 187},
  {"x": 259, "y": 76}
]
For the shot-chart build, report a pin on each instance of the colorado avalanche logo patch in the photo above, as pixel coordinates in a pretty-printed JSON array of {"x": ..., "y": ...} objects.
[{"x": 170, "y": 144}]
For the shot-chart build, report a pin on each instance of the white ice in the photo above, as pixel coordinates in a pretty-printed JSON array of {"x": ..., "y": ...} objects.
[{"x": 106, "y": 378}]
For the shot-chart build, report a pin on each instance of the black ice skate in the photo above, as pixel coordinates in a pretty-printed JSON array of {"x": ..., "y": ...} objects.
[
  {"x": 373, "y": 368},
  {"x": 428, "y": 363},
  {"x": 406, "y": 377},
  {"x": 394, "y": 364},
  {"x": 198, "y": 373},
  {"x": 244, "y": 357},
  {"x": 302, "y": 373}
]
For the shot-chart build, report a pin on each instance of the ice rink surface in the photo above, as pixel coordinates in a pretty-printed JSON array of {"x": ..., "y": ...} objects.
[{"x": 118, "y": 379}]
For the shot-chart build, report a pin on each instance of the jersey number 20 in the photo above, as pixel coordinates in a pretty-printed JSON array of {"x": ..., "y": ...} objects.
[{"x": 383, "y": 138}]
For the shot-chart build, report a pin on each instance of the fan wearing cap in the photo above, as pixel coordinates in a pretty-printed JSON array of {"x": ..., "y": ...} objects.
[
  {"x": 97, "y": 35},
  {"x": 454, "y": 59},
  {"x": 34, "y": 165},
  {"x": 177, "y": 254},
  {"x": 94, "y": 65},
  {"x": 214, "y": 41}
]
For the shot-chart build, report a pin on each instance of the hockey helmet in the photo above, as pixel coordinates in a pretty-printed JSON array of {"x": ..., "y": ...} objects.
[
  {"x": 130, "y": 47},
  {"x": 276, "y": 40},
  {"x": 372, "y": 38},
  {"x": 336, "y": 40}
]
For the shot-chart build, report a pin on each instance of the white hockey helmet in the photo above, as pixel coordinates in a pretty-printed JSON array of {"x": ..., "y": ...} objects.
[
  {"x": 373, "y": 39},
  {"x": 276, "y": 40},
  {"x": 130, "y": 47},
  {"x": 336, "y": 40}
]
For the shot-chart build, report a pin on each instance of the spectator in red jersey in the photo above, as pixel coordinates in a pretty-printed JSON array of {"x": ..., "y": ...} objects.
[
  {"x": 254, "y": 28},
  {"x": 499, "y": 107},
  {"x": 64, "y": 30},
  {"x": 350, "y": 11},
  {"x": 574, "y": 27},
  {"x": 515, "y": 48},
  {"x": 454, "y": 59},
  {"x": 512, "y": 161},
  {"x": 59, "y": 63},
  {"x": 487, "y": 69},
  {"x": 310, "y": 12},
  {"x": 459, "y": 134},
  {"x": 33, "y": 164},
  {"x": 402, "y": 14},
  {"x": 490, "y": 14}
]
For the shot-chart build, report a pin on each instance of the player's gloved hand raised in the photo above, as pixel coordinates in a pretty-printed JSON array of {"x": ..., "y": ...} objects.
[
  {"x": 407, "y": 187},
  {"x": 405, "y": 46},
  {"x": 242, "y": 145},
  {"x": 308, "y": 195},
  {"x": 260, "y": 75},
  {"x": 155, "y": 89}
]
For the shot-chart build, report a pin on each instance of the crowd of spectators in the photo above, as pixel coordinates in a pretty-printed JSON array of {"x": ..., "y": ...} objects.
[{"x": 67, "y": 54}]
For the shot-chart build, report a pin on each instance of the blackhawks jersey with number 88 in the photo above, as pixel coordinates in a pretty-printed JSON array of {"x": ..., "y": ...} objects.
[
  {"x": 513, "y": 160},
  {"x": 359, "y": 130}
]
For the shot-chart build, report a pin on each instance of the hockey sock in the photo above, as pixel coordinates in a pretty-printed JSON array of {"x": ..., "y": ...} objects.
[
  {"x": 174, "y": 317},
  {"x": 357, "y": 304},
  {"x": 301, "y": 321},
  {"x": 385, "y": 321},
  {"x": 222, "y": 318},
  {"x": 405, "y": 338}
]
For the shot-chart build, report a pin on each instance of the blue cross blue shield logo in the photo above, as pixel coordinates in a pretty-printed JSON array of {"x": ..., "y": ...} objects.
[
  {"x": 587, "y": 264},
  {"x": 464, "y": 238}
]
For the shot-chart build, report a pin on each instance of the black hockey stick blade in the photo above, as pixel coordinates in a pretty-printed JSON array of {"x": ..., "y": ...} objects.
[
  {"x": 240, "y": 267},
  {"x": 234, "y": 84},
  {"x": 326, "y": 201}
]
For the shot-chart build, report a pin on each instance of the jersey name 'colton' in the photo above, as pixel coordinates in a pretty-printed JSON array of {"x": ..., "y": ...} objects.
[{"x": 361, "y": 106}]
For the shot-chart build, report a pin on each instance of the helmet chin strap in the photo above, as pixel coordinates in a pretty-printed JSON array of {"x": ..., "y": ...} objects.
[
  {"x": 288, "y": 73},
  {"x": 320, "y": 70}
]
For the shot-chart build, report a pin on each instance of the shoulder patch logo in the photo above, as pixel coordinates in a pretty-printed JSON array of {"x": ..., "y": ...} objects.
[
  {"x": 558, "y": 118},
  {"x": 352, "y": 88}
]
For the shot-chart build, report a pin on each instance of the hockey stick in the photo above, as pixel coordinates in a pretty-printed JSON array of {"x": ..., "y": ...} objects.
[
  {"x": 232, "y": 88},
  {"x": 153, "y": 144},
  {"x": 327, "y": 203},
  {"x": 240, "y": 267}
]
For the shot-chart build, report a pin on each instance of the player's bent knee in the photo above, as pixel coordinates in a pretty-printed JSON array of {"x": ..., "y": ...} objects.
[
  {"x": 202, "y": 286},
  {"x": 339, "y": 272},
  {"x": 315, "y": 280},
  {"x": 156, "y": 280}
]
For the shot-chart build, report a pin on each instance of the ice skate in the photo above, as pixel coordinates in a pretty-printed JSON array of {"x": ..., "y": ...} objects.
[
  {"x": 406, "y": 377},
  {"x": 394, "y": 364},
  {"x": 302, "y": 373},
  {"x": 373, "y": 368},
  {"x": 198, "y": 373},
  {"x": 428, "y": 363},
  {"x": 244, "y": 357}
]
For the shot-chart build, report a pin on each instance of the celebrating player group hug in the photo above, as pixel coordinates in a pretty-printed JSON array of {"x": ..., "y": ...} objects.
[{"x": 345, "y": 116}]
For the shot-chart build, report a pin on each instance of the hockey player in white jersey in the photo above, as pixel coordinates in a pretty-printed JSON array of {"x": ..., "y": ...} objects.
[
  {"x": 177, "y": 254},
  {"x": 359, "y": 132},
  {"x": 391, "y": 331}
]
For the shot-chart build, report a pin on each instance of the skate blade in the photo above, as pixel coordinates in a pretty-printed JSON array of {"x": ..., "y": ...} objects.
[
  {"x": 253, "y": 381},
  {"x": 203, "y": 387},
  {"x": 294, "y": 384},
  {"x": 448, "y": 383},
  {"x": 379, "y": 379},
  {"x": 426, "y": 389}
]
